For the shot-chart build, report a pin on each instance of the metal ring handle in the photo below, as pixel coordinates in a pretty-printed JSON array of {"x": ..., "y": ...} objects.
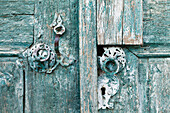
[{"x": 115, "y": 62}]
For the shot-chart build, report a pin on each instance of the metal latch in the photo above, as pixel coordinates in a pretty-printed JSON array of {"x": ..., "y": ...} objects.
[{"x": 42, "y": 57}]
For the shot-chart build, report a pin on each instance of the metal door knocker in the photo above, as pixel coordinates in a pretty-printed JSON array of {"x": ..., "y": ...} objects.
[
  {"x": 111, "y": 62},
  {"x": 42, "y": 58}
]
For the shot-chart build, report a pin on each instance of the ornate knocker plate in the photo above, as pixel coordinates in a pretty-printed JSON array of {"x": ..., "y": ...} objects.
[
  {"x": 113, "y": 60},
  {"x": 42, "y": 57}
]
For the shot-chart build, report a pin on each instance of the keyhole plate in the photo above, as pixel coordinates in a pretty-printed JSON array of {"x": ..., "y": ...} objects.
[{"x": 108, "y": 86}]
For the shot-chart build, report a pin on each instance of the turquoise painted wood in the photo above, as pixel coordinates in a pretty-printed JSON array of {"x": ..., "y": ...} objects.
[
  {"x": 88, "y": 56},
  {"x": 119, "y": 22},
  {"x": 144, "y": 82}
]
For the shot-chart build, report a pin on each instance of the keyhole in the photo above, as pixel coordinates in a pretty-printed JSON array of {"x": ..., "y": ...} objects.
[{"x": 103, "y": 90}]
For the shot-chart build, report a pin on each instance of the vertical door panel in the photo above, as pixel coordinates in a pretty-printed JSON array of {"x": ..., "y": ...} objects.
[
  {"x": 153, "y": 84},
  {"x": 11, "y": 86},
  {"x": 88, "y": 56},
  {"x": 133, "y": 22},
  {"x": 145, "y": 87},
  {"x": 16, "y": 29},
  {"x": 59, "y": 91},
  {"x": 119, "y": 22},
  {"x": 109, "y": 21}
]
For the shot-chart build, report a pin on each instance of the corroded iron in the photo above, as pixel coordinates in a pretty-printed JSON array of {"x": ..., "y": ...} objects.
[
  {"x": 42, "y": 58},
  {"x": 59, "y": 29}
]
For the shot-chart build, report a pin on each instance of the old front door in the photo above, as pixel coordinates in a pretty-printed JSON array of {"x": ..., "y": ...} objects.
[{"x": 50, "y": 54}]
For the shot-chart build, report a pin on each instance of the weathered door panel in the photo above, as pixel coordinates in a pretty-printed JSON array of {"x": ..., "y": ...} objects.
[
  {"x": 143, "y": 87},
  {"x": 11, "y": 86},
  {"x": 154, "y": 84},
  {"x": 119, "y": 22},
  {"x": 156, "y": 21},
  {"x": 16, "y": 29},
  {"x": 17, "y": 24},
  {"x": 59, "y": 91},
  {"x": 144, "y": 82},
  {"x": 24, "y": 24}
]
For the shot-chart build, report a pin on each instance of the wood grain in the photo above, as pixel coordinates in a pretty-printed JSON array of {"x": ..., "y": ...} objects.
[
  {"x": 156, "y": 21},
  {"x": 11, "y": 86},
  {"x": 58, "y": 92},
  {"x": 18, "y": 7},
  {"x": 16, "y": 25},
  {"x": 88, "y": 56},
  {"x": 119, "y": 22},
  {"x": 109, "y": 21},
  {"x": 144, "y": 83},
  {"x": 151, "y": 50},
  {"x": 133, "y": 22},
  {"x": 16, "y": 32},
  {"x": 154, "y": 85}
]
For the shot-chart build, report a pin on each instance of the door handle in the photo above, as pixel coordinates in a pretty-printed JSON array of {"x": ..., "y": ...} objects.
[
  {"x": 42, "y": 58},
  {"x": 111, "y": 62}
]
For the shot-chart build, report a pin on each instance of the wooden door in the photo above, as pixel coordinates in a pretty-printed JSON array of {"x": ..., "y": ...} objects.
[
  {"x": 139, "y": 27},
  {"x": 24, "y": 23}
]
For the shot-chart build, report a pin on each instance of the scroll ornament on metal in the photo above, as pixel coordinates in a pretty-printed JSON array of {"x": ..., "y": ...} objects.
[
  {"x": 111, "y": 62},
  {"x": 42, "y": 58}
]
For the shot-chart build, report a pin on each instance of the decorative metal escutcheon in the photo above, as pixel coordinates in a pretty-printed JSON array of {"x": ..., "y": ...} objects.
[
  {"x": 108, "y": 85},
  {"x": 42, "y": 57},
  {"x": 111, "y": 62}
]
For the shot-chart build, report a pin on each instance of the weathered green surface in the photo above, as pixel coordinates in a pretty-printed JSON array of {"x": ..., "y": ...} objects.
[
  {"x": 156, "y": 21},
  {"x": 119, "y": 22},
  {"x": 109, "y": 21},
  {"x": 18, "y": 7},
  {"x": 57, "y": 92},
  {"x": 16, "y": 29},
  {"x": 144, "y": 83},
  {"x": 127, "y": 98},
  {"x": 16, "y": 32},
  {"x": 11, "y": 86},
  {"x": 16, "y": 26},
  {"x": 151, "y": 50},
  {"x": 132, "y": 22},
  {"x": 88, "y": 56},
  {"x": 154, "y": 85},
  {"x": 145, "y": 80}
]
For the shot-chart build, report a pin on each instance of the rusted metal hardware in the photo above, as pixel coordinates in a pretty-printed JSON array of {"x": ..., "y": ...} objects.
[
  {"x": 59, "y": 29},
  {"x": 42, "y": 58},
  {"x": 111, "y": 62}
]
